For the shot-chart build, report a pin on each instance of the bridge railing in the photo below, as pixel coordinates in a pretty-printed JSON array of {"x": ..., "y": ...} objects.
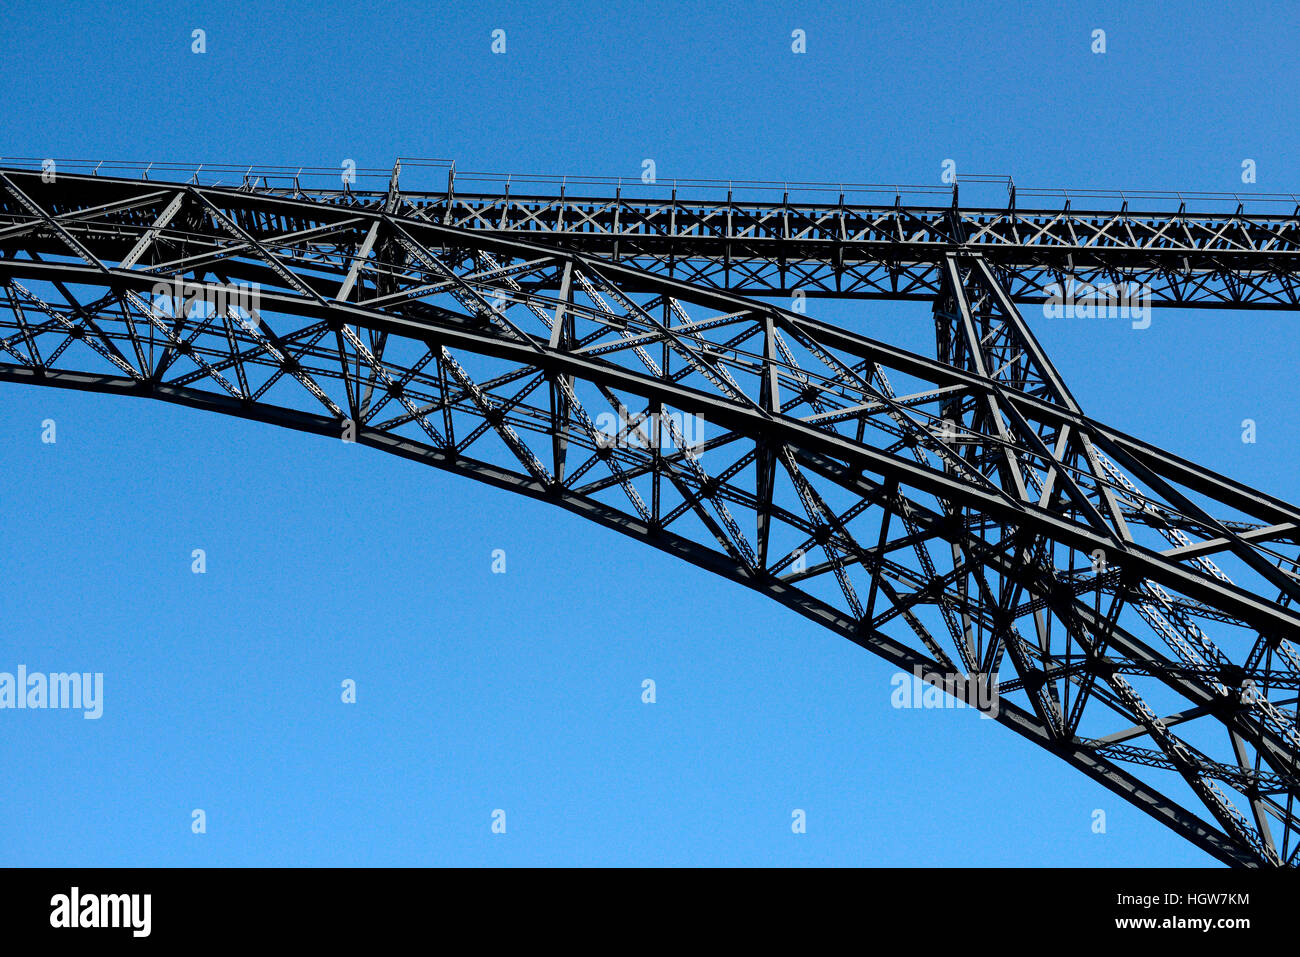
[
  {"x": 430, "y": 180},
  {"x": 971, "y": 191},
  {"x": 313, "y": 179}
]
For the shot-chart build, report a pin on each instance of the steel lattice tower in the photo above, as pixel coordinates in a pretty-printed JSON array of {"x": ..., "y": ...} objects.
[{"x": 957, "y": 514}]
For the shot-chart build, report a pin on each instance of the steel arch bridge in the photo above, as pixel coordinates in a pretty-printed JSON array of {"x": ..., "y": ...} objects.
[{"x": 956, "y": 514}]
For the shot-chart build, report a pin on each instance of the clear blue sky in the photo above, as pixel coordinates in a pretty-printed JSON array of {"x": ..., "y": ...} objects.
[{"x": 522, "y": 691}]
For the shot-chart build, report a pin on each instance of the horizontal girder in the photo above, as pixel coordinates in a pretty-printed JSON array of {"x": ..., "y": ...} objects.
[{"x": 781, "y": 249}]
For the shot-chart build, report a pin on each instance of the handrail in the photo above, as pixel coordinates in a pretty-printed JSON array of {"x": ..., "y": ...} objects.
[{"x": 420, "y": 178}]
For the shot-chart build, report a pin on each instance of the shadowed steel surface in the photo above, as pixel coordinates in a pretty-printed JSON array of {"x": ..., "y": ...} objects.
[{"x": 1128, "y": 610}]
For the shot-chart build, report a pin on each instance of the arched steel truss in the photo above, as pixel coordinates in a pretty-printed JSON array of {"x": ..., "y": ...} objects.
[{"x": 958, "y": 515}]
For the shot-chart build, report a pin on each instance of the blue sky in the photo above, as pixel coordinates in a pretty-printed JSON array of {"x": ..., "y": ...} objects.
[{"x": 522, "y": 691}]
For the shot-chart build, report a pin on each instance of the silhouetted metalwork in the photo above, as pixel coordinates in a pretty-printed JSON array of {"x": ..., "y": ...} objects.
[{"x": 957, "y": 514}]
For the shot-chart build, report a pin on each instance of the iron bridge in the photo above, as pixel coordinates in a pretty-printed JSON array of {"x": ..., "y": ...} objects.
[{"x": 956, "y": 513}]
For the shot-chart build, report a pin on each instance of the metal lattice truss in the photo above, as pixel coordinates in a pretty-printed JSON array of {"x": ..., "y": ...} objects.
[
  {"x": 1129, "y": 611},
  {"x": 895, "y": 251}
]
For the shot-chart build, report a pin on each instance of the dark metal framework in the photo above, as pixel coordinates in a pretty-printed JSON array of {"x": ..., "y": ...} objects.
[{"x": 958, "y": 515}]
